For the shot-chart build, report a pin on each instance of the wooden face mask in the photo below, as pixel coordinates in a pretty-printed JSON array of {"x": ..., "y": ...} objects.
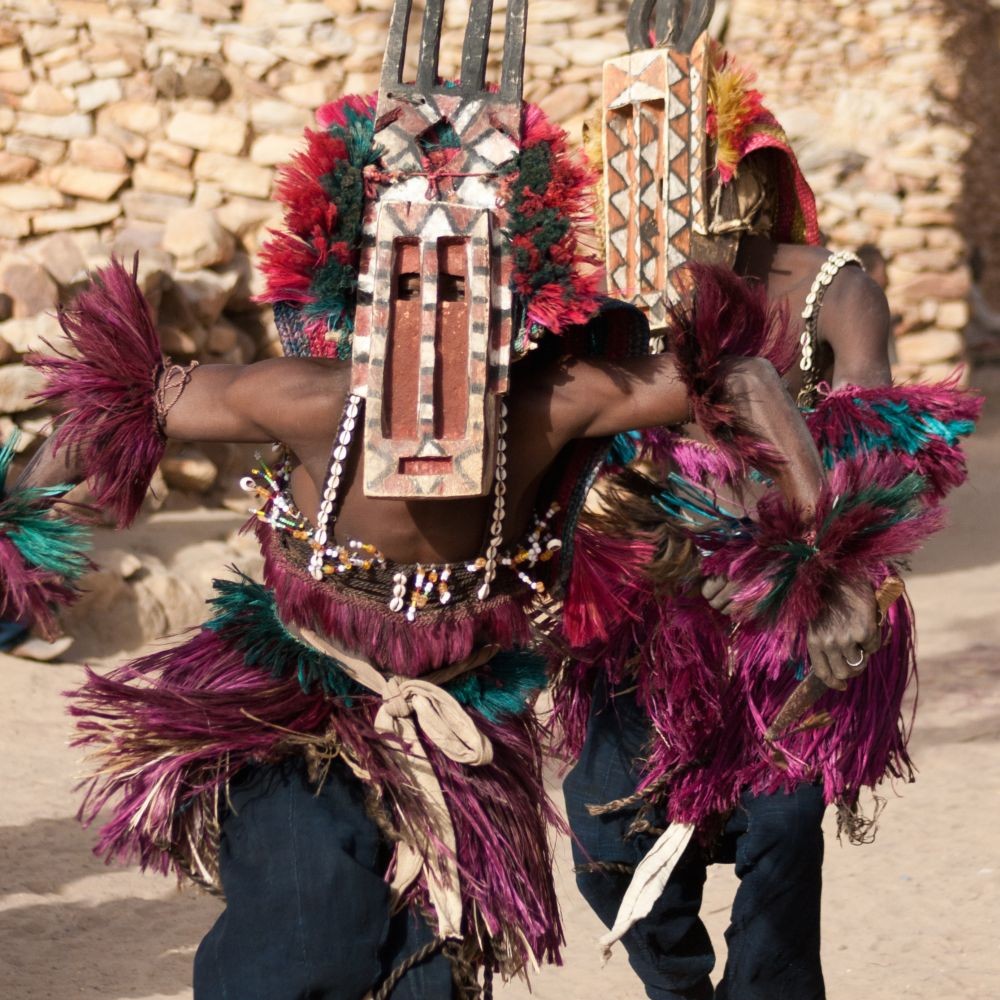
[
  {"x": 432, "y": 341},
  {"x": 657, "y": 157}
]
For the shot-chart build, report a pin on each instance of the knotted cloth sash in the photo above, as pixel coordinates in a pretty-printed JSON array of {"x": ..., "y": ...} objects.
[
  {"x": 409, "y": 704},
  {"x": 648, "y": 881}
]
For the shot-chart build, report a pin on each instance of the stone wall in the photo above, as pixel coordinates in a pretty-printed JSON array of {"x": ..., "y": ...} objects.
[{"x": 131, "y": 125}]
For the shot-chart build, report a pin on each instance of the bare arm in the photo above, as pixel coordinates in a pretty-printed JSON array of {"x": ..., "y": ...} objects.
[
  {"x": 594, "y": 400},
  {"x": 283, "y": 399},
  {"x": 605, "y": 400},
  {"x": 856, "y": 323}
]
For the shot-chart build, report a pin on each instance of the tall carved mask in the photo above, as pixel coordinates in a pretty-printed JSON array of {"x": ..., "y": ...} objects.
[
  {"x": 660, "y": 188},
  {"x": 433, "y": 327}
]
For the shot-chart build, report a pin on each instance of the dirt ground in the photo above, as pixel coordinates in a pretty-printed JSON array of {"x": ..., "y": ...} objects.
[{"x": 916, "y": 914}]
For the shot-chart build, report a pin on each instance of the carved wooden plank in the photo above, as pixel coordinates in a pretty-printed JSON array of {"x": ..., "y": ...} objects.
[{"x": 654, "y": 172}]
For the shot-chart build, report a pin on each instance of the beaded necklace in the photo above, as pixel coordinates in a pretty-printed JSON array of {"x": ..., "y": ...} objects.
[{"x": 414, "y": 587}]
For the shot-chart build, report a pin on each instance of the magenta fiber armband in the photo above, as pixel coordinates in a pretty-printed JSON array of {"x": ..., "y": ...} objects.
[{"x": 108, "y": 392}]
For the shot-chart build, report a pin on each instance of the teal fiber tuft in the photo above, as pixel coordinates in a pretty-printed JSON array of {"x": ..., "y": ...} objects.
[
  {"x": 44, "y": 538},
  {"x": 503, "y": 687},
  {"x": 246, "y": 614},
  {"x": 624, "y": 448}
]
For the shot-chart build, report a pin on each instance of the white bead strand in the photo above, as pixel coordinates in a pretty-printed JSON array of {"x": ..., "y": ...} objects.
[{"x": 328, "y": 505}]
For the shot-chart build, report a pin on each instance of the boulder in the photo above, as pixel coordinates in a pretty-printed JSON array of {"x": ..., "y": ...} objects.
[
  {"x": 29, "y": 334},
  {"x": 189, "y": 471},
  {"x": 163, "y": 153},
  {"x": 84, "y": 215},
  {"x": 45, "y": 99},
  {"x": 244, "y": 215},
  {"x": 29, "y": 286},
  {"x": 206, "y": 81},
  {"x": 14, "y": 225},
  {"x": 162, "y": 180},
  {"x": 63, "y": 127},
  {"x": 953, "y": 315},
  {"x": 18, "y": 385},
  {"x": 11, "y": 58},
  {"x": 98, "y": 93},
  {"x": 196, "y": 238},
  {"x": 276, "y": 116},
  {"x": 16, "y": 168},
  {"x": 82, "y": 182},
  {"x": 47, "y": 151},
  {"x": 70, "y": 74},
  {"x": 208, "y": 293},
  {"x": 30, "y": 197},
  {"x": 61, "y": 256},
  {"x": 235, "y": 175},
  {"x": 929, "y": 347},
  {"x": 168, "y": 82},
  {"x": 274, "y": 149},
  {"x": 150, "y": 207},
  {"x": 565, "y": 101},
  {"x": 98, "y": 154},
  {"x": 215, "y": 133},
  {"x": 142, "y": 117},
  {"x": 223, "y": 337}
]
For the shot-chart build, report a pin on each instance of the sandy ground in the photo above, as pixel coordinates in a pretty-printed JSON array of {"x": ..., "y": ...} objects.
[{"x": 915, "y": 915}]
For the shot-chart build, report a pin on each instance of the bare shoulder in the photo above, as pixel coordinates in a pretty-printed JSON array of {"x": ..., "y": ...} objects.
[
  {"x": 793, "y": 267},
  {"x": 799, "y": 258},
  {"x": 855, "y": 321},
  {"x": 854, "y": 298},
  {"x": 297, "y": 397}
]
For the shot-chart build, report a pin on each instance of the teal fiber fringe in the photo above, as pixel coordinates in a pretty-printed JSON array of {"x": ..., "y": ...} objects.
[
  {"x": 50, "y": 541},
  {"x": 247, "y": 616}
]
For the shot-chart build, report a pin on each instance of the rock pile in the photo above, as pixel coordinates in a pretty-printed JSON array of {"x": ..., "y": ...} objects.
[{"x": 134, "y": 125}]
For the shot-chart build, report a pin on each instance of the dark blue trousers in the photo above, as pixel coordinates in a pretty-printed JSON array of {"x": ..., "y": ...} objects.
[
  {"x": 776, "y": 842},
  {"x": 308, "y": 914}
]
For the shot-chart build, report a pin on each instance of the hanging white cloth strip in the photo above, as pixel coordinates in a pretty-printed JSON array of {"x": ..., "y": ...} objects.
[
  {"x": 409, "y": 703},
  {"x": 648, "y": 881}
]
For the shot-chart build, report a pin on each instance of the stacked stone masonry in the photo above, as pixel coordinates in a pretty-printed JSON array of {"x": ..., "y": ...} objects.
[{"x": 134, "y": 125}]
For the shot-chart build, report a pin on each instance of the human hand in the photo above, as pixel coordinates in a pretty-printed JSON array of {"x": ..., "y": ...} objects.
[
  {"x": 719, "y": 591},
  {"x": 842, "y": 638}
]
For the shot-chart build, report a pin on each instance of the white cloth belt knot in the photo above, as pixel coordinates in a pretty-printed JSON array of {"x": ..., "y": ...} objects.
[{"x": 410, "y": 704}]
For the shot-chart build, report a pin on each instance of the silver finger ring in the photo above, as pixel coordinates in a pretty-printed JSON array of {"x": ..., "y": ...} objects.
[{"x": 858, "y": 661}]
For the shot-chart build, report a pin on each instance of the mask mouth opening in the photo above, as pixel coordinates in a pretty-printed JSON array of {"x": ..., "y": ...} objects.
[{"x": 436, "y": 465}]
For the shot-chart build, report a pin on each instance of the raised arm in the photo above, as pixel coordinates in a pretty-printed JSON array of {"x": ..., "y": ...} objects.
[
  {"x": 744, "y": 407},
  {"x": 122, "y": 400},
  {"x": 597, "y": 400},
  {"x": 236, "y": 403}
]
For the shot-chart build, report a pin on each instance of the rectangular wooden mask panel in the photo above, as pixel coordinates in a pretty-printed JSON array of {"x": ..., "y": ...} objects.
[
  {"x": 431, "y": 349},
  {"x": 654, "y": 173}
]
